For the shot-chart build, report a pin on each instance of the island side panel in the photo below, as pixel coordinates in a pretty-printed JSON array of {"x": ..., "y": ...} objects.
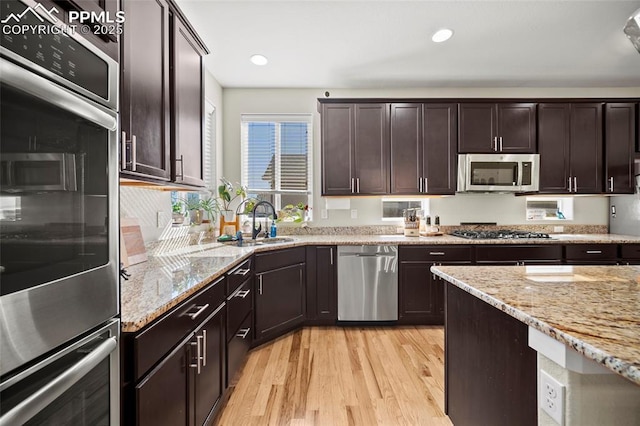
[{"x": 490, "y": 371}]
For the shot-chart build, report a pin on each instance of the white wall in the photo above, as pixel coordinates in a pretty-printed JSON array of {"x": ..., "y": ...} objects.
[{"x": 504, "y": 209}]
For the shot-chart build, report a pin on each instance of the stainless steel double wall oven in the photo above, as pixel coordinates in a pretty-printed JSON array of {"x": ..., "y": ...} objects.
[{"x": 59, "y": 301}]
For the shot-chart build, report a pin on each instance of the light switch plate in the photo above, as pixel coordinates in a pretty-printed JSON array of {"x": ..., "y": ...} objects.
[
  {"x": 354, "y": 213},
  {"x": 163, "y": 218},
  {"x": 324, "y": 214}
]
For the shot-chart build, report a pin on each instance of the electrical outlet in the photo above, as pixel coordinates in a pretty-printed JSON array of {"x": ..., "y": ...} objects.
[
  {"x": 551, "y": 397},
  {"x": 324, "y": 214},
  {"x": 354, "y": 214},
  {"x": 558, "y": 229}
]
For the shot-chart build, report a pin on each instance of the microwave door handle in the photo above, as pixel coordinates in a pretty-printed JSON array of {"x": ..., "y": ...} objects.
[
  {"x": 49, "y": 92},
  {"x": 35, "y": 403},
  {"x": 519, "y": 171}
]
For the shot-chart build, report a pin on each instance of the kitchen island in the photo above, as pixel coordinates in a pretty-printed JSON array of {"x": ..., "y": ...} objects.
[{"x": 583, "y": 322}]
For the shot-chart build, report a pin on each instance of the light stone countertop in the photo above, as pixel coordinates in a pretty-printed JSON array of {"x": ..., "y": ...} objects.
[
  {"x": 168, "y": 278},
  {"x": 592, "y": 309}
]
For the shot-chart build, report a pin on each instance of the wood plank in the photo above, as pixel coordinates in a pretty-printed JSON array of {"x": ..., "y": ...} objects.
[{"x": 343, "y": 376}]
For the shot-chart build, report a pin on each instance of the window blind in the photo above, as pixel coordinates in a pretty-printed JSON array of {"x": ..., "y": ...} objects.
[{"x": 276, "y": 155}]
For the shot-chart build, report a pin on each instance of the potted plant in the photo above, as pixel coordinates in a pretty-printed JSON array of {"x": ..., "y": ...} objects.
[
  {"x": 293, "y": 214},
  {"x": 195, "y": 210},
  {"x": 227, "y": 195},
  {"x": 177, "y": 212}
]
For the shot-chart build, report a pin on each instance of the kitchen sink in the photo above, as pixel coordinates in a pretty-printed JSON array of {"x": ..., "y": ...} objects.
[{"x": 266, "y": 241}]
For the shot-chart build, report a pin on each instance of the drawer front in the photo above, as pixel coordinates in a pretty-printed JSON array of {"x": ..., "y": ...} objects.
[
  {"x": 154, "y": 342},
  {"x": 524, "y": 253},
  {"x": 436, "y": 253},
  {"x": 238, "y": 306},
  {"x": 238, "y": 275},
  {"x": 630, "y": 251},
  {"x": 238, "y": 347},
  {"x": 591, "y": 252},
  {"x": 279, "y": 258}
]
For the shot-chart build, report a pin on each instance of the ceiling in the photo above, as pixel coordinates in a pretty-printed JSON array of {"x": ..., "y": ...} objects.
[{"x": 387, "y": 44}]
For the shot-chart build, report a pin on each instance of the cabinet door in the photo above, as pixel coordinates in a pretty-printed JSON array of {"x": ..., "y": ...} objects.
[
  {"x": 477, "y": 128},
  {"x": 207, "y": 384},
  {"x": 620, "y": 135},
  {"x": 145, "y": 88},
  {"x": 326, "y": 283},
  {"x": 161, "y": 397},
  {"x": 516, "y": 127},
  {"x": 406, "y": 148},
  {"x": 554, "y": 129},
  {"x": 371, "y": 149},
  {"x": 416, "y": 292},
  {"x": 337, "y": 149},
  {"x": 439, "y": 148},
  {"x": 187, "y": 111},
  {"x": 586, "y": 147},
  {"x": 280, "y": 300}
]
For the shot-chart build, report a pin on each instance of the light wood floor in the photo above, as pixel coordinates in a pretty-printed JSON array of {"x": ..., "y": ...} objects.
[{"x": 343, "y": 376}]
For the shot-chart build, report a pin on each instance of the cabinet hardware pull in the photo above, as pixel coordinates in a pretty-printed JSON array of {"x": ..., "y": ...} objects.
[
  {"x": 436, "y": 253},
  {"x": 198, "y": 346},
  {"x": 133, "y": 152},
  {"x": 242, "y": 294},
  {"x": 331, "y": 254},
  {"x": 501, "y": 143},
  {"x": 575, "y": 184},
  {"x": 204, "y": 348},
  {"x": 426, "y": 185},
  {"x": 243, "y": 333},
  {"x": 569, "y": 183},
  {"x": 420, "y": 185},
  {"x": 495, "y": 143},
  {"x": 181, "y": 161},
  {"x": 300, "y": 274},
  {"x": 260, "y": 284},
  {"x": 242, "y": 272},
  {"x": 200, "y": 310},
  {"x": 358, "y": 185},
  {"x": 123, "y": 151},
  {"x": 353, "y": 185},
  {"x": 594, "y": 251},
  {"x": 611, "y": 184}
]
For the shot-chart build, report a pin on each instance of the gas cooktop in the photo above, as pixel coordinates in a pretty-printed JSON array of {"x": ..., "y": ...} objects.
[{"x": 504, "y": 234}]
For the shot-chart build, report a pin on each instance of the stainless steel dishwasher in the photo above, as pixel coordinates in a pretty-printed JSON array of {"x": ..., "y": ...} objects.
[{"x": 367, "y": 283}]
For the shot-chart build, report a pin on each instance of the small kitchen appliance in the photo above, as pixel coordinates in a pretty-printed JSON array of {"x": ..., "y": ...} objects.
[{"x": 498, "y": 172}]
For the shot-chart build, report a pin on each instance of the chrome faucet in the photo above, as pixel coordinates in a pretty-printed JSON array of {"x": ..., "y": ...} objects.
[{"x": 254, "y": 231}]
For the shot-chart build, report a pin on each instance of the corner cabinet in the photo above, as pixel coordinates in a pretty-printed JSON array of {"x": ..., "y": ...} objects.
[
  {"x": 280, "y": 298},
  {"x": 423, "y": 148},
  {"x": 497, "y": 127},
  {"x": 570, "y": 145},
  {"x": 162, "y": 95},
  {"x": 355, "y": 149}
]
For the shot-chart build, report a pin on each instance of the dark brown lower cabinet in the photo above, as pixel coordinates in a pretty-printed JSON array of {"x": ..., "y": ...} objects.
[
  {"x": 630, "y": 254},
  {"x": 280, "y": 297},
  {"x": 322, "y": 290},
  {"x": 526, "y": 254},
  {"x": 421, "y": 293},
  {"x": 591, "y": 254},
  {"x": 490, "y": 371}
]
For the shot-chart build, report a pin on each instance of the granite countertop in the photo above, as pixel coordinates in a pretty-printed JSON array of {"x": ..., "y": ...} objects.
[
  {"x": 592, "y": 309},
  {"x": 176, "y": 272}
]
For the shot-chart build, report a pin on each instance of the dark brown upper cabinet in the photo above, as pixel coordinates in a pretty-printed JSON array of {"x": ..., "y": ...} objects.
[
  {"x": 570, "y": 146},
  {"x": 145, "y": 101},
  {"x": 187, "y": 110},
  {"x": 423, "y": 148},
  {"x": 619, "y": 140},
  {"x": 162, "y": 95},
  {"x": 355, "y": 149},
  {"x": 497, "y": 127}
]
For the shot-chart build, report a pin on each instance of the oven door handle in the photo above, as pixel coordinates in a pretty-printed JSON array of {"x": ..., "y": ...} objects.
[
  {"x": 49, "y": 92},
  {"x": 37, "y": 402}
]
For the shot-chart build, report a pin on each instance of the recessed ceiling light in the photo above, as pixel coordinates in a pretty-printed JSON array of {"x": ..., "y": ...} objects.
[
  {"x": 442, "y": 35},
  {"x": 259, "y": 59}
]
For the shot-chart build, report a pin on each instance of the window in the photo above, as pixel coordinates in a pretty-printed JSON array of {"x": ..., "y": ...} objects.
[
  {"x": 276, "y": 158},
  {"x": 393, "y": 208},
  {"x": 551, "y": 208}
]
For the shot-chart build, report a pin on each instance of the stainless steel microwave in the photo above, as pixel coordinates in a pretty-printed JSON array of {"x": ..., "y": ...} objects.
[
  {"x": 38, "y": 171},
  {"x": 498, "y": 172}
]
